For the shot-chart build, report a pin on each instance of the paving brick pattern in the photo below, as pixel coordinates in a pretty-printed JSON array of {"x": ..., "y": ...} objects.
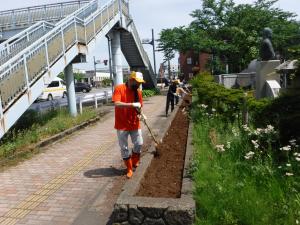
[{"x": 73, "y": 181}]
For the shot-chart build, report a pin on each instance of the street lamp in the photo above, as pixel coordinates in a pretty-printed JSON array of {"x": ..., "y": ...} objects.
[{"x": 151, "y": 42}]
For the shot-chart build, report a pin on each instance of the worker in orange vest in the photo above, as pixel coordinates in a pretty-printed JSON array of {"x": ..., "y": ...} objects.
[{"x": 128, "y": 105}]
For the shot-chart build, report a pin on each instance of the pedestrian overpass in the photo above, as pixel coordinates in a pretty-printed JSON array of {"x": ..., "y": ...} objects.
[
  {"x": 15, "y": 20},
  {"x": 31, "y": 59}
]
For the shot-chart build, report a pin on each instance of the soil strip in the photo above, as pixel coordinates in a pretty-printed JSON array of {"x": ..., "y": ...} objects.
[{"x": 164, "y": 175}]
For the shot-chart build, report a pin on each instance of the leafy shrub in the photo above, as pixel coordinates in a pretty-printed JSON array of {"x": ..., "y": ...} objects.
[
  {"x": 150, "y": 92},
  {"x": 106, "y": 82},
  {"x": 283, "y": 112}
]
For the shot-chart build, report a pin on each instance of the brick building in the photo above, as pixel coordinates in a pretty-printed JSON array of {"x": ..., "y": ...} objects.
[{"x": 192, "y": 63}]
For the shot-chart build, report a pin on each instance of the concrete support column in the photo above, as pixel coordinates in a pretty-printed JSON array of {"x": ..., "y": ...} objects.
[
  {"x": 117, "y": 58},
  {"x": 71, "y": 90}
]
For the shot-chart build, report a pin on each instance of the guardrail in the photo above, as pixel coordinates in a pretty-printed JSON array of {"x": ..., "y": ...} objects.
[
  {"x": 11, "y": 19},
  {"x": 58, "y": 103},
  {"x": 36, "y": 59},
  {"x": 106, "y": 95}
]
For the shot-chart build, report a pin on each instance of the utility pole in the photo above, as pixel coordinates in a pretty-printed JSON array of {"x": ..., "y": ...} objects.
[
  {"x": 154, "y": 59},
  {"x": 95, "y": 70},
  {"x": 152, "y": 42}
]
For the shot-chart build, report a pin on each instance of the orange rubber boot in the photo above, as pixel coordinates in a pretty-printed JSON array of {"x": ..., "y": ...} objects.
[
  {"x": 135, "y": 159},
  {"x": 128, "y": 164}
]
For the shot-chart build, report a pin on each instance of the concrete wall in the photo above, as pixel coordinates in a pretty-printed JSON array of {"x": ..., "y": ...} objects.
[{"x": 236, "y": 80}]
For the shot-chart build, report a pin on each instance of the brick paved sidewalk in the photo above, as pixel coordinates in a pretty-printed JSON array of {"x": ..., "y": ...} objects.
[{"x": 74, "y": 181}]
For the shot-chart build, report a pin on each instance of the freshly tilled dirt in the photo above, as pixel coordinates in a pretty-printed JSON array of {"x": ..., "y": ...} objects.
[{"x": 164, "y": 176}]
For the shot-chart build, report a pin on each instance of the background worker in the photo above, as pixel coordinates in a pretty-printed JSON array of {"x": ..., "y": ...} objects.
[
  {"x": 128, "y": 104},
  {"x": 182, "y": 91},
  {"x": 171, "y": 96}
]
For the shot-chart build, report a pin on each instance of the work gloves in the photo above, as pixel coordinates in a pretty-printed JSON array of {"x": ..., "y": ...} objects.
[{"x": 136, "y": 105}]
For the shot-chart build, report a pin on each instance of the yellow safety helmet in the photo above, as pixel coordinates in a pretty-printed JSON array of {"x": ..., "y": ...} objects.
[{"x": 138, "y": 76}]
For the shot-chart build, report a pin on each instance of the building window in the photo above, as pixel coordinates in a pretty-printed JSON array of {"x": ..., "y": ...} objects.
[{"x": 189, "y": 61}]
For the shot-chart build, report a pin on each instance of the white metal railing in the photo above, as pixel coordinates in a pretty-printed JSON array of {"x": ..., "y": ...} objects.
[
  {"x": 15, "y": 44},
  {"x": 11, "y": 19},
  {"x": 20, "y": 41},
  {"x": 21, "y": 71},
  {"x": 106, "y": 95}
]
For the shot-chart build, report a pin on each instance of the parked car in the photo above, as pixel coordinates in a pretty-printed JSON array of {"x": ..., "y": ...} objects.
[
  {"x": 56, "y": 89},
  {"x": 82, "y": 87}
]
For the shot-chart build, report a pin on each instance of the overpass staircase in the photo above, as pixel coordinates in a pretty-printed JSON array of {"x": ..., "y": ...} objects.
[{"x": 30, "y": 60}]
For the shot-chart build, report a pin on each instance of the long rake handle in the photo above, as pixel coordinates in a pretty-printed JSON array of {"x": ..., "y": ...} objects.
[
  {"x": 152, "y": 135},
  {"x": 145, "y": 122}
]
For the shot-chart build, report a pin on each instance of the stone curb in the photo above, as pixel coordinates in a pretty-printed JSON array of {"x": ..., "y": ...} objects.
[{"x": 131, "y": 209}]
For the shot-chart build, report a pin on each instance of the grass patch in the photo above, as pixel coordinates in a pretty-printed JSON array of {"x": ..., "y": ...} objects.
[
  {"x": 33, "y": 127},
  {"x": 231, "y": 189}
]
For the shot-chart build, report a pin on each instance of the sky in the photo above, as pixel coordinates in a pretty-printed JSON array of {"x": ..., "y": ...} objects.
[{"x": 148, "y": 14}]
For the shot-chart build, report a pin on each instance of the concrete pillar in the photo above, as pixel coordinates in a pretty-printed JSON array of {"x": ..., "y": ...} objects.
[
  {"x": 117, "y": 58},
  {"x": 265, "y": 70},
  {"x": 71, "y": 90}
]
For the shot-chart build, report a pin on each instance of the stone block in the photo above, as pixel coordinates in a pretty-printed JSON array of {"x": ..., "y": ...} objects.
[
  {"x": 178, "y": 216},
  {"x": 120, "y": 213},
  {"x": 126, "y": 223},
  {"x": 151, "y": 221},
  {"x": 265, "y": 70},
  {"x": 152, "y": 212},
  {"x": 136, "y": 217}
]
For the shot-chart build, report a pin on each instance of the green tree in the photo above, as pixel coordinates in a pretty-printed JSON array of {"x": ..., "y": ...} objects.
[
  {"x": 233, "y": 32},
  {"x": 77, "y": 76}
]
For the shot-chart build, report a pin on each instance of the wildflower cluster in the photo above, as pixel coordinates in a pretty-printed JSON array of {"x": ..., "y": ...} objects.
[
  {"x": 264, "y": 142},
  {"x": 202, "y": 106},
  {"x": 297, "y": 156},
  {"x": 235, "y": 132},
  {"x": 261, "y": 140},
  {"x": 223, "y": 148},
  {"x": 269, "y": 130},
  {"x": 220, "y": 148},
  {"x": 249, "y": 155},
  {"x": 206, "y": 111}
]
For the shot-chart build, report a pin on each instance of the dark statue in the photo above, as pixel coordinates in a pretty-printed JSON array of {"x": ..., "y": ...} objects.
[{"x": 266, "y": 49}]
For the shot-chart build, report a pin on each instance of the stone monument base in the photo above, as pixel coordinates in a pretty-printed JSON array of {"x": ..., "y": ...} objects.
[{"x": 265, "y": 70}]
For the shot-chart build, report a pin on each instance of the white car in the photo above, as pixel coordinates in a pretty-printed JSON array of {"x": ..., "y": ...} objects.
[{"x": 56, "y": 89}]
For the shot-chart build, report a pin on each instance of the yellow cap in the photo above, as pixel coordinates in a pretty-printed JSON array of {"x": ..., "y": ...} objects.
[{"x": 138, "y": 76}]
